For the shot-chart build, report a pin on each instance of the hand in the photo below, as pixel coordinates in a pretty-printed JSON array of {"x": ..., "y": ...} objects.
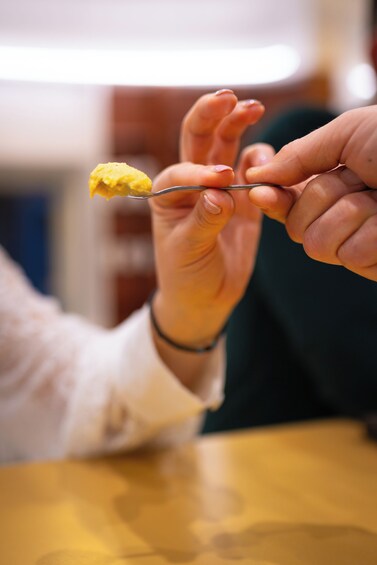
[
  {"x": 327, "y": 207},
  {"x": 205, "y": 243},
  {"x": 212, "y": 129}
]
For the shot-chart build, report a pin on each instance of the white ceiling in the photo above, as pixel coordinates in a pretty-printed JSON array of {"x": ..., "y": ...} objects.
[
  {"x": 328, "y": 33},
  {"x": 156, "y": 23},
  {"x": 153, "y": 27}
]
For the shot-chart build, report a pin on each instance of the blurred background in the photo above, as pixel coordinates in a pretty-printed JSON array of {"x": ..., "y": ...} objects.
[{"x": 88, "y": 81}]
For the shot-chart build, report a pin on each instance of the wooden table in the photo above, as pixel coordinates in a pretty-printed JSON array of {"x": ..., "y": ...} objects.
[{"x": 291, "y": 495}]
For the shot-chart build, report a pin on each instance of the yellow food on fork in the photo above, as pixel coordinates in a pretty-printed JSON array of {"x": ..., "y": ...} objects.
[{"x": 118, "y": 179}]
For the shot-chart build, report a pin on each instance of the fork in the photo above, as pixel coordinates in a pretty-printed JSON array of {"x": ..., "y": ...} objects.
[{"x": 146, "y": 195}]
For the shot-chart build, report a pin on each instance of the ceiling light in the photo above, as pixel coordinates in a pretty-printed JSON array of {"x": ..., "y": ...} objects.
[{"x": 253, "y": 66}]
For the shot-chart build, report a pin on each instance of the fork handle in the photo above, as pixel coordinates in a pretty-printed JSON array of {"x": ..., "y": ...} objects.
[{"x": 250, "y": 186}]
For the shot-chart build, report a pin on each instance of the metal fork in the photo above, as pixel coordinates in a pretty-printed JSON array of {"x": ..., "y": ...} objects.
[{"x": 145, "y": 195}]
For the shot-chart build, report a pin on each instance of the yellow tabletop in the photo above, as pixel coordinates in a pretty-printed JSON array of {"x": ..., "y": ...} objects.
[{"x": 290, "y": 495}]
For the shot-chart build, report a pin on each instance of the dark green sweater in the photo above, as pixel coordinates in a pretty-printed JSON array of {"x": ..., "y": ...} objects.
[{"x": 302, "y": 343}]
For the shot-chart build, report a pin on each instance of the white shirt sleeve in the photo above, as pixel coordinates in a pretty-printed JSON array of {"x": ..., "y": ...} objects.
[{"x": 70, "y": 388}]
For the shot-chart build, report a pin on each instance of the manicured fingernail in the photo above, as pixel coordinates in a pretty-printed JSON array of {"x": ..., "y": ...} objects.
[
  {"x": 251, "y": 102},
  {"x": 221, "y": 168},
  {"x": 223, "y": 91},
  {"x": 210, "y": 206}
]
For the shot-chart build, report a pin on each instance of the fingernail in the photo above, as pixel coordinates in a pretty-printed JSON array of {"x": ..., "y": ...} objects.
[
  {"x": 261, "y": 160},
  {"x": 223, "y": 91},
  {"x": 251, "y": 102},
  {"x": 221, "y": 168},
  {"x": 210, "y": 206}
]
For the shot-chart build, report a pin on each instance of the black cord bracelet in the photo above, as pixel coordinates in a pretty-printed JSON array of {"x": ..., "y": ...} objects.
[{"x": 173, "y": 343}]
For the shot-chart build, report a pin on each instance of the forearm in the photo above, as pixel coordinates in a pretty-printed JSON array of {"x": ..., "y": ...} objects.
[
  {"x": 78, "y": 390},
  {"x": 186, "y": 339},
  {"x": 142, "y": 400}
]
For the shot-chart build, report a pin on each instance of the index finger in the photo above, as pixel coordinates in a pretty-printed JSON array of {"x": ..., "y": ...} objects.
[{"x": 350, "y": 139}]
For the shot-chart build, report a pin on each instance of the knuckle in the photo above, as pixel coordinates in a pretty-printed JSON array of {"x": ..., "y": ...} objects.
[
  {"x": 314, "y": 244},
  {"x": 294, "y": 230},
  {"x": 358, "y": 251},
  {"x": 318, "y": 190},
  {"x": 321, "y": 245},
  {"x": 352, "y": 203},
  {"x": 350, "y": 255}
]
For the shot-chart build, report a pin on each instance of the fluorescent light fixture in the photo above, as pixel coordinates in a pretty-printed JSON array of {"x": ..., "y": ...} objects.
[
  {"x": 262, "y": 65},
  {"x": 361, "y": 81}
]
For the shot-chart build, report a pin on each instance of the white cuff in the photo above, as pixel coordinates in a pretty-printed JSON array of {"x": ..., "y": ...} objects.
[{"x": 150, "y": 390}]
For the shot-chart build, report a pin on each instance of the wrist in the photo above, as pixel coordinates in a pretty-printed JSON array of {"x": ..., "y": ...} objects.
[{"x": 185, "y": 329}]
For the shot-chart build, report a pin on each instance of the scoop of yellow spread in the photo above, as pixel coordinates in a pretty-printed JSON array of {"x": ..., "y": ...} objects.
[{"x": 118, "y": 179}]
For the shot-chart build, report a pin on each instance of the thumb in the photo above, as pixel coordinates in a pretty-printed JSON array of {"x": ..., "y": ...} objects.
[
  {"x": 347, "y": 140},
  {"x": 210, "y": 215}
]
